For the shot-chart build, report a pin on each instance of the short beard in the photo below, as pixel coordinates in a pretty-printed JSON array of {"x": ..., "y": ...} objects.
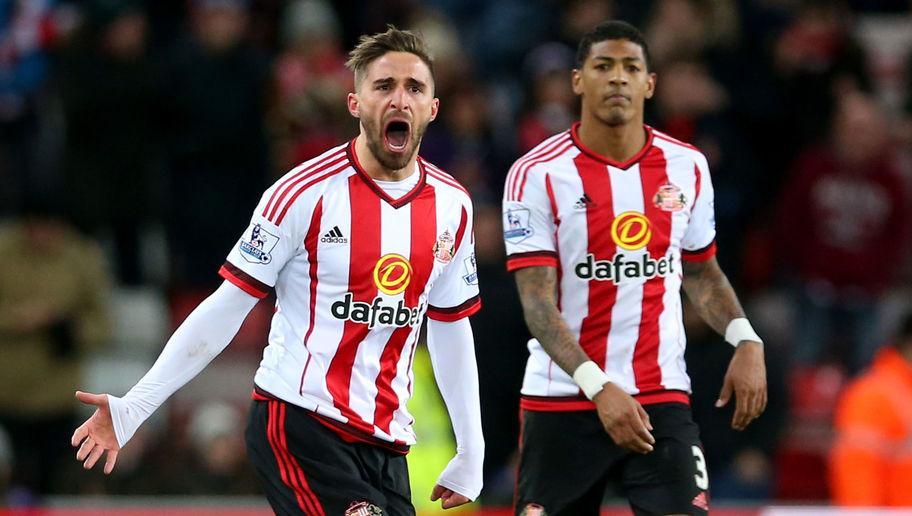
[
  {"x": 387, "y": 159},
  {"x": 615, "y": 118}
]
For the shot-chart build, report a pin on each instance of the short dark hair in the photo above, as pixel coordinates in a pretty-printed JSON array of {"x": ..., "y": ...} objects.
[
  {"x": 375, "y": 46},
  {"x": 608, "y": 30}
]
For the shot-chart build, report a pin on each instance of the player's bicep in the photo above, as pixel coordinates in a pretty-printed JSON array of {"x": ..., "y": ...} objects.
[{"x": 536, "y": 285}]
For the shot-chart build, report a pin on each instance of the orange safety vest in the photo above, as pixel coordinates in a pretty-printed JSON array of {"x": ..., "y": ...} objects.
[{"x": 871, "y": 460}]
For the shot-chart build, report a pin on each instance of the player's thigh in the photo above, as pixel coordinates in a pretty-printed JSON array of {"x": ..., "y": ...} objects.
[
  {"x": 396, "y": 487},
  {"x": 564, "y": 462},
  {"x": 305, "y": 468},
  {"x": 672, "y": 479}
]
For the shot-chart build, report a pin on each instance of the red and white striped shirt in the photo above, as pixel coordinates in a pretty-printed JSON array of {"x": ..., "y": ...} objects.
[
  {"x": 354, "y": 272},
  {"x": 617, "y": 233}
]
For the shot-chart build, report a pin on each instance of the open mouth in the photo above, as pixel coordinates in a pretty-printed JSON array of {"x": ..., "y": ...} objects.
[{"x": 396, "y": 135}]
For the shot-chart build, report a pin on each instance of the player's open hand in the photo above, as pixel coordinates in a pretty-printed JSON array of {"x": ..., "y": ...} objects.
[
  {"x": 624, "y": 419},
  {"x": 746, "y": 379},
  {"x": 96, "y": 435},
  {"x": 448, "y": 498}
]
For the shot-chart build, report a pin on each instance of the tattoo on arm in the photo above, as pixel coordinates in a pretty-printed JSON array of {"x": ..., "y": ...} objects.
[
  {"x": 711, "y": 294},
  {"x": 537, "y": 292}
]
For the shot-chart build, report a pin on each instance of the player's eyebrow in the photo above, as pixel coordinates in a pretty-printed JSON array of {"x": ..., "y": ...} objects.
[
  {"x": 612, "y": 59},
  {"x": 411, "y": 81}
]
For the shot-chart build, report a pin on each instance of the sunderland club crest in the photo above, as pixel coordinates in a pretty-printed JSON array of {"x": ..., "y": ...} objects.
[
  {"x": 670, "y": 198},
  {"x": 445, "y": 247}
]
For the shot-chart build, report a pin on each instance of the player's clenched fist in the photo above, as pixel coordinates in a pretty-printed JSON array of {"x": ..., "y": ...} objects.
[{"x": 624, "y": 419}]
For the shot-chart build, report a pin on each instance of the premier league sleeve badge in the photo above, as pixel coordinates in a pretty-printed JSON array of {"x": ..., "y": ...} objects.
[{"x": 258, "y": 245}]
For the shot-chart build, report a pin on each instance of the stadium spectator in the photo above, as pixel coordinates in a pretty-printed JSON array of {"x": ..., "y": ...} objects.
[
  {"x": 53, "y": 311},
  {"x": 816, "y": 61},
  {"x": 551, "y": 103},
  {"x": 28, "y": 31},
  {"x": 310, "y": 80},
  {"x": 217, "y": 463},
  {"x": 871, "y": 460},
  {"x": 113, "y": 155},
  {"x": 840, "y": 216},
  {"x": 218, "y": 159}
]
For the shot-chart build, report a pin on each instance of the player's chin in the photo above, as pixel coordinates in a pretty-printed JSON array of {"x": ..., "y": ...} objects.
[
  {"x": 395, "y": 160},
  {"x": 614, "y": 116}
]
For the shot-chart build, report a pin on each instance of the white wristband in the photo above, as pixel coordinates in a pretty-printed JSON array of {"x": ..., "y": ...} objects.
[
  {"x": 590, "y": 377},
  {"x": 740, "y": 329}
]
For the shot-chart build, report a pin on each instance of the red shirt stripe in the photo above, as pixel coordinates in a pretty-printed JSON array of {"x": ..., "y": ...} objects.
[
  {"x": 302, "y": 189},
  {"x": 305, "y": 170},
  {"x": 518, "y": 168},
  {"x": 310, "y": 245},
  {"x": 602, "y": 294},
  {"x": 364, "y": 245},
  {"x": 524, "y": 170},
  {"x": 424, "y": 234},
  {"x": 280, "y": 193},
  {"x": 244, "y": 281},
  {"x": 532, "y": 259},
  {"x": 470, "y": 307},
  {"x": 646, "y": 370}
]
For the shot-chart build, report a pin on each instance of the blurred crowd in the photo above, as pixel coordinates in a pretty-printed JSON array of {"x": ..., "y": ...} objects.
[{"x": 136, "y": 137}]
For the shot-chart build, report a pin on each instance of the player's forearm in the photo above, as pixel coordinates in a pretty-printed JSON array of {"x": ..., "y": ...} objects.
[
  {"x": 711, "y": 294},
  {"x": 201, "y": 337},
  {"x": 537, "y": 293},
  {"x": 452, "y": 350}
]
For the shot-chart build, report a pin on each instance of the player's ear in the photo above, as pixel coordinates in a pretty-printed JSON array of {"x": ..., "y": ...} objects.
[
  {"x": 576, "y": 78},
  {"x": 651, "y": 85},
  {"x": 353, "y": 105},
  {"x": 435, "y": 108}
]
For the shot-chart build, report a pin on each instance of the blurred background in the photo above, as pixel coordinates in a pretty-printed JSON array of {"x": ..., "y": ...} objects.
[{"x": 136, "y": 138}]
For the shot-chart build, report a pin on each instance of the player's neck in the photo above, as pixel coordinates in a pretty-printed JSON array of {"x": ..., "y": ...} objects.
[
  {"x": 375, "y": 169},
  {"x": 615, "y": 142}
]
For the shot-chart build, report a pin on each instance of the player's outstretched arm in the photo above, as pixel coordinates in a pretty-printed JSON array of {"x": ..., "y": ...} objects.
[
  {"x": 201, "y": 337},
  {"x": 452, "y": 349},
  {"x": 716, "y": 302},
  {"x": 621, "y": 415}
]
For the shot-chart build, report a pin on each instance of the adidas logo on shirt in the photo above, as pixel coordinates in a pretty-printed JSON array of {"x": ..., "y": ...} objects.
[
  {"x": 334, "y": 236},
  {"x": 584, "y": 202}
]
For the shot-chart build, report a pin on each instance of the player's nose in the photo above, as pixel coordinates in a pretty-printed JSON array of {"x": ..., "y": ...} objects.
[{"x": 399, "y": 99}]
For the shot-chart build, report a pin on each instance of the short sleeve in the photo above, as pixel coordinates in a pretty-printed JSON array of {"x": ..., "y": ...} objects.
[
  {"x": 699, "y": 242},
  {"x": 529, "y": 226},
  {"x": 263, "y": 249},
  {"x": 455, "y": 292}
]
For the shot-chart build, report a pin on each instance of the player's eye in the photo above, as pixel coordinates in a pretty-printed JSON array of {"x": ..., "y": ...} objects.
[{"x": 633, "y": 68}]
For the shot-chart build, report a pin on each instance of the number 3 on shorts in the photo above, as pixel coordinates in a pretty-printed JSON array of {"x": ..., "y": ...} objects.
[{"x": 702, "y": 477}]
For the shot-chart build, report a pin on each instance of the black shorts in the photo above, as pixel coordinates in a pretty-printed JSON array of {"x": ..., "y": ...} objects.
[
  {"x": 305, "y": 468},
  {"x": 567, "y": 460}
]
